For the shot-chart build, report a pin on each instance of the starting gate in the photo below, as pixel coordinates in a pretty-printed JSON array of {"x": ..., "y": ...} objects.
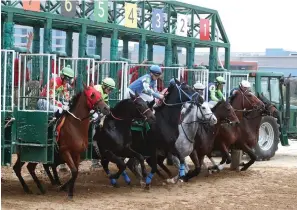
[
  {"x": 35, "y": 139},
  {"x": 7, "y": 105}
]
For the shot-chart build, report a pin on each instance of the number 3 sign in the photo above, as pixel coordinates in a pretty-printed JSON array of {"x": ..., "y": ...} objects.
[
  {"x": 68, "y": 8},
  {"x": 130, "y": 15},
  {"x": 182, "y": 25},
  {"x": 157, "y": 20}
]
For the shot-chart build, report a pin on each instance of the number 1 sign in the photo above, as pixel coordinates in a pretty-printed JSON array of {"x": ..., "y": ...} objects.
[
  {"x": 204, "y": 29},
  {"x": 157, "y": 20},
  {"x": 182, "y": 25}
]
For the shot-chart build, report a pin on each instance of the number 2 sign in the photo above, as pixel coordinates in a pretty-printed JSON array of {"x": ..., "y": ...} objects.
[
  {"x": 101, "y": 10},
  {"x": 182, "y": 25},
  {"x": 130, "y": 15},
  {"x": 204, "y": 29},
  {"x": 68, "y": 8},
  {"x": 157, "y": 20}
]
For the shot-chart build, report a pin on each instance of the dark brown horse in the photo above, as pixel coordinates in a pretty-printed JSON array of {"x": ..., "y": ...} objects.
[
  {"x": 249, "y": 110},
  {"x": 204, "y": 139},
  {"x": 73, "y": 137}
]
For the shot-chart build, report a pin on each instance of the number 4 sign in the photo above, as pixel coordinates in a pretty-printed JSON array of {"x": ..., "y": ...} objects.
[
  {"x": 204, "y": 29},
  {"x": 101, "y": 10},
  {"x": 182, "y": 25},
  {"x": 130, "y": 15}
]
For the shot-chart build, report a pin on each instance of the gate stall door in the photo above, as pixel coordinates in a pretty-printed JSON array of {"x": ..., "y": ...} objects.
[
  {"x": 236, "y": 78},
  {"x": 191, "y": 76},
  {"x": 35, "y": 114},
  {"x": 7, "y": 105},
  {"x": 117, "y": 70}
]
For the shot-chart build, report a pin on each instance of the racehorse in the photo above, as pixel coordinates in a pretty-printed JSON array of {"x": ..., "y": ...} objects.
[
  {"x": 73, "y": 136},
  {"x": 162, "y": 136},
  {"x": 194, "y": 115},
  {"x": 249, "y": 110},
  {"x": 114, "y": 139},
  {"x": 205, "y": 135}
]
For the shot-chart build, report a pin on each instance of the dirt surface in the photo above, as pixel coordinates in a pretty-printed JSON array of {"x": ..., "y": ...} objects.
[{"x": 266, "y": 185}]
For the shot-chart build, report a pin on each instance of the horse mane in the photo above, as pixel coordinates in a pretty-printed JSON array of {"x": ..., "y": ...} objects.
[
  {"x": 120, "y": 103},
  {"x": 74, "y": 101}
]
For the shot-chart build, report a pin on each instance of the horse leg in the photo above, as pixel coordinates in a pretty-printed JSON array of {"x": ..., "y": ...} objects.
[
  {"x": 17, "y": 170},
  {"x": 55, "y": 172},
  {"x": 226, "y": 158},
  {"x": 130, "y": 152},
  {"x": 31, "y": 168},
  {"x": 104, "y": 163},
  {"x": 118, "y": 161},
  {"x": 49, "y": 174},
  {"x": 133, "y": 166},
  {"x": 160, "y": 160},
  {"x": 148, "y": 179},
  {"x": 252, "y": 155},
  {"x": 215, "y": 167},
  {"x": 74, "y": 172},
  {"x": 195, "y": 160},
  {"x": 148, "y": 160}
]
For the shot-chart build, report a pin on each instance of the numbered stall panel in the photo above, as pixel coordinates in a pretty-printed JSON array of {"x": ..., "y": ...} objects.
[
  {"x": 101, "y": 11},
  {"x": 68, "y": 8},
  {"x": 158, "y": 20},
  {"x": 130, "y": 15},
  {"x": 182, "y": 25}
]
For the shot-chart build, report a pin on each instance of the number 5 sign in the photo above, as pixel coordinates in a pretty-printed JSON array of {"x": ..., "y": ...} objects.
[
  {"x": 157, "y": 20},
  {"x": 68, "y": 8},
  {"x": 204, "y": 29},
  {"x": 101, "y": 10},
  {"x": 182, "y": 25},
  {"x": 130, "y": 15}
]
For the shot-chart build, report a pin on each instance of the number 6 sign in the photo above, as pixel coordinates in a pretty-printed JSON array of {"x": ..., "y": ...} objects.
[
  {"x": 157, "y": 20},
  {"x": 68, "y": 8},
  {"x": 182, "y": 25},
  {"x": 101, "y": 10}
]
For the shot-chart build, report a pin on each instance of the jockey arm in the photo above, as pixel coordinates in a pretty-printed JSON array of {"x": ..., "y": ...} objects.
[
  {"x": 58, "y": 90},
  {"x": 146, "y": 88},
  {"x": 220, "y": 94}
]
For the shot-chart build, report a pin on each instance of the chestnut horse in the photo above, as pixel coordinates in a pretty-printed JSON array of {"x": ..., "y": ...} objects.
[
  {"x": 249, "y": 110},
  {"x": 73, "y": 137}
]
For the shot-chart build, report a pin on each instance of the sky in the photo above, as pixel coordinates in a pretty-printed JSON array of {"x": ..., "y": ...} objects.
[{"x": 254, "y": 25}]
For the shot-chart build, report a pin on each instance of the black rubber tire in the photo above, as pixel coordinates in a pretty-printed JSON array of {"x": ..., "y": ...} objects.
[{"x": 267, "y": 154}]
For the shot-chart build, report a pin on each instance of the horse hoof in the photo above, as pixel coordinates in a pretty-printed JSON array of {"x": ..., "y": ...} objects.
[
  {"x": 116, "y": 185},
  {"x": 243, "y": 169},
  {"x": 28, "y": 191},
  {"x": 70, "y": 197},
  {"x": 147, "y": 186},
  {"x": 170, "y": 181}
]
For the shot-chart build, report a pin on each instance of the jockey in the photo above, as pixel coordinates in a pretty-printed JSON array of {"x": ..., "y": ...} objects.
[
  {"x": 108, "y": 85},
  {"x": 61, "y": 91},
  {"x": 216, "y": 90},
  {"x": 199, "y": 87},
  {"x": 244, "y": 86},
  {"x": 146, "y": 85}
]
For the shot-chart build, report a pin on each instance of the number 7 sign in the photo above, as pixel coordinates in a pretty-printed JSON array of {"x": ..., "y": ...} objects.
[{"x": 204, "y": 29}]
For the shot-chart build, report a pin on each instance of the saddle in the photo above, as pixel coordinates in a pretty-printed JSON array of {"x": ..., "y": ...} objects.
[
  {"x": 59, "y": 125},
  {"x": 140, "y": 126}
]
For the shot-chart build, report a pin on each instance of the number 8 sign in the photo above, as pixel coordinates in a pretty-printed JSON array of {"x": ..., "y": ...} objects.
[
  {"x": 182, "y": 25},
  {"x": 157, "y": 20}
]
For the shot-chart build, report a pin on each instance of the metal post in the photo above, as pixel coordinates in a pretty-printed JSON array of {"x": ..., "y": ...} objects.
[
  {"x": 142, "y": 49},
  {"x": 126, "y": 48},
  {"x": 227, "y": 58},
  {"x": 36, "y": 49},
  {"x": 81, "y": 70},
  {"x": 150, "y": 51},
  {"x": 98, "y": 50},
  {"x": 213, "y": 57},
  {"x": 69, "y": 40}
]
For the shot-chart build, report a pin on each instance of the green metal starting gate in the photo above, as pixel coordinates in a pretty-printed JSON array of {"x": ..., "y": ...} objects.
[
  {"x": 35, "y": 139},
  {"x": 7, "y": 105}
]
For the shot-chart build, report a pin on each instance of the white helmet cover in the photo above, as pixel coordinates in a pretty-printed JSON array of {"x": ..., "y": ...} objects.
[
  {"x": 245, "y": 84},
  {"x": 199, "y": 86}
]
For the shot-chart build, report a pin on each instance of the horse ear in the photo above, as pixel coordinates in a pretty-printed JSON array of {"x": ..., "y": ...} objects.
[
  {"x": 132, "y": 96},
  {"x": 151, "y": 104},
  {"x": 176, "y": 81},
  {"x": 92, "y": 83},
  {"x": 136, "y": 94}
]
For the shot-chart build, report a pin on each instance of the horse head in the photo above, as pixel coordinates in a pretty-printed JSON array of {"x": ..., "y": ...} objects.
[
  {"x": 225, "y": 113},
  {"x": 197, "y": 110},
  {"x": 142, "y": 109},
  {"x": 246, "y": 100},
  {"x": 94, "y": 99}
]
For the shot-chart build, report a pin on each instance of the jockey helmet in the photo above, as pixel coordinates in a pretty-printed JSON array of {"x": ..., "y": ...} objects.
[
  {"x": 199, "y": 86},
  {"x": 245, "y": 84},
  {"x": 67, "y": 71},
  {"x": 109, "y": 82},
  {"x": 220, "y": 80},
  {"x": 156, "y": 70}
]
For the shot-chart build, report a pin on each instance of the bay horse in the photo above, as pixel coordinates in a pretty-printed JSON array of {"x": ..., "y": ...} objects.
[
  {"x": 249, "y": 110},
  {"x": 73, "y": 137},
  {"x": 114, "y": 139}
]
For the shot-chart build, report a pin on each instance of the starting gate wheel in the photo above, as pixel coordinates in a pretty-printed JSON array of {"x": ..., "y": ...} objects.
[
  {"x": 35, "y": 139},
  {"x": 7, "y": 105}
]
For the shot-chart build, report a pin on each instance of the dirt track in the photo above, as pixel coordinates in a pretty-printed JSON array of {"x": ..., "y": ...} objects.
[{"x": 266, "y": 185}]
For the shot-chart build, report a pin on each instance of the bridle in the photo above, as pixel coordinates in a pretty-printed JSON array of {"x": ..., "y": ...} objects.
[{"x": 141, "y": 113}]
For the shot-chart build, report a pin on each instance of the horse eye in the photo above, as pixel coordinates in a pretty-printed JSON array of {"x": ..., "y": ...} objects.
[{"x": 203, "y": 107}]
